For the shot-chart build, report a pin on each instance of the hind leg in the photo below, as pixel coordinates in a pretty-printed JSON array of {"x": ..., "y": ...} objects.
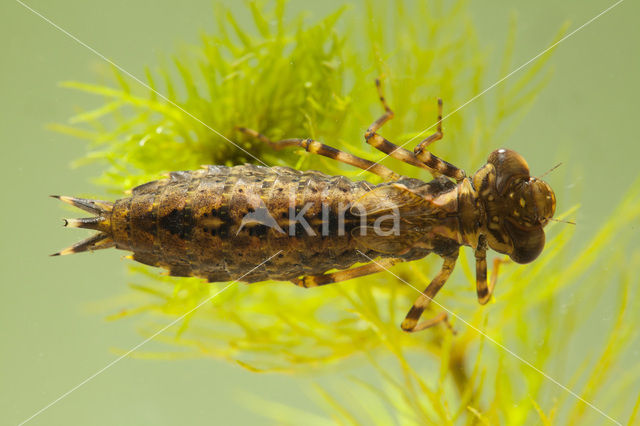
[
  {"x": 323, "y": 279},
  {"x": 319, "y": 148}
]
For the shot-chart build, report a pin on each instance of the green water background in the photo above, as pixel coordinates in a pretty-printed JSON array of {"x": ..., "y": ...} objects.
[{"x": 53, "y": 331}]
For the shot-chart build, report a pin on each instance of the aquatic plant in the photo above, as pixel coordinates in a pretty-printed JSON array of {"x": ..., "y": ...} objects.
[{"x": 294, "y": 77}]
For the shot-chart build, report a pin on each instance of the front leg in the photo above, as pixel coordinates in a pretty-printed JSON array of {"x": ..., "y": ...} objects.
[
  {"x": 420, "y": 157},
  {"x": 431, "y": 160},
  {"x": 485, "y": 291},
  {"x": 410, "y": 323},
  {"x": 373, "y": 138}
]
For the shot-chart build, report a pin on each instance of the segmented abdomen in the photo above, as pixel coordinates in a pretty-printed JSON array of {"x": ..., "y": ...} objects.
[{"x": 192, "y": 224}]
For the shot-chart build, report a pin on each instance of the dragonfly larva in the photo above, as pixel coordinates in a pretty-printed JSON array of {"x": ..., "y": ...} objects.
[{"x": 220, "y": 222}]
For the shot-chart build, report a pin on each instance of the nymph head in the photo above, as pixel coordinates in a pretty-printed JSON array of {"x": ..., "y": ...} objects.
[{"x": 518, "y": 206}]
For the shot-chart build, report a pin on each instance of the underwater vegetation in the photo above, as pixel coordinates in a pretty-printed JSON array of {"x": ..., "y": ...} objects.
[{"x": 292, "y": 76}]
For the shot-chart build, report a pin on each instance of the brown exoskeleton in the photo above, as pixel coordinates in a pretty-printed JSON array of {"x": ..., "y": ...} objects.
[{"x": 219, "y": 222}]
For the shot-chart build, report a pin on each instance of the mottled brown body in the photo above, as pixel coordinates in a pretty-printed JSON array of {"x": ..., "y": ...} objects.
[
  {"x": 191, "y": 223},
  {"x": 219, "y": 222}
]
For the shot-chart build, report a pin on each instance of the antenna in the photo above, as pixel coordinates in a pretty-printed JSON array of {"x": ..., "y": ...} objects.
[
  {"x": 549, "y": 171},
  {"x": 570, "y": 222}
]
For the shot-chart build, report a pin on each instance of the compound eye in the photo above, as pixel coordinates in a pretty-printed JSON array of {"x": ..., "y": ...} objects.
[
  {"x": 527, "y": 243},
  {"x": 509, "y": 165}
]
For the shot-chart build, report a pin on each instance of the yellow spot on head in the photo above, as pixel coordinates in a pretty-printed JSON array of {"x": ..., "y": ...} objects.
[
  {"x": 515, "y": 213},
  {"x": 522, "y": 203}
]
